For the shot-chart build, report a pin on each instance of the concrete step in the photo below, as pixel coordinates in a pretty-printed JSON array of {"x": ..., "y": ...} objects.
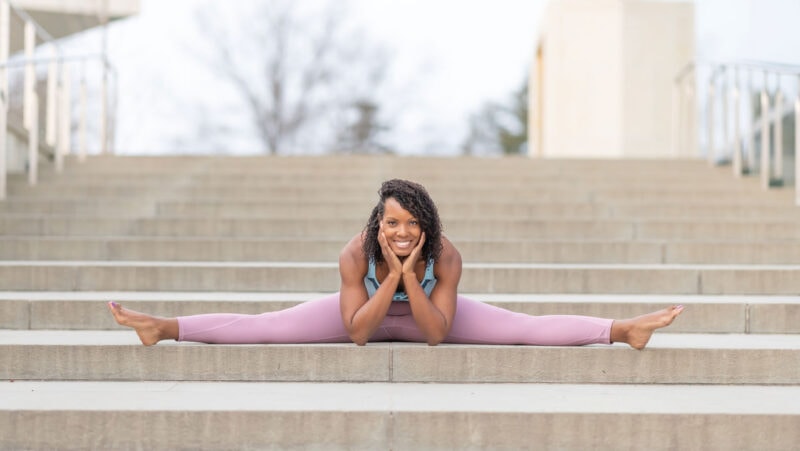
[
  {"x": 704, "y": 314},
  {"x": 481, "y": 228},
  {"x": 476, "y": 277},
  {"x": 511, "y": 209},
  {"x": 363, "y": 164},
  {"x": 488, "y": 177},
  {"x": 455, "y": 210},
  {"x": 366, "y": 193},
  {"x": 435, "y": 183},
  {"x": 668, "y": 359},
  {"x": 190, "y": 415},
  {"x": 300, "y": 249},
  {"x": 375, "y": 165}
]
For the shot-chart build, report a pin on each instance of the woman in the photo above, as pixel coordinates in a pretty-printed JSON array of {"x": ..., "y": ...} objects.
[{"x": 399, "y": 283}]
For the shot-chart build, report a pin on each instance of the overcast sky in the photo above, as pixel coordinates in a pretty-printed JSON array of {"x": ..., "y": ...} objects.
[{"x": 448, "y": 58}]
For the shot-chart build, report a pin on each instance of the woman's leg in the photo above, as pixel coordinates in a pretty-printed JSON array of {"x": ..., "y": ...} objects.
[
  {"x": 480, "y": 323},
  {"x": 477, "y": 322},
  {"x": 317, "y": 321}
]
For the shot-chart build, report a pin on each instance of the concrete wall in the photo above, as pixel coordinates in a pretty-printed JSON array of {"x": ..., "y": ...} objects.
[
  {"x": 601, "y": 77},
  {"x": 658, "y": 40}
]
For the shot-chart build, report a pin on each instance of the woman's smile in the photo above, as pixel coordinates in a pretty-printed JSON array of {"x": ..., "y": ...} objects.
[{"x": 403, "y": 244}]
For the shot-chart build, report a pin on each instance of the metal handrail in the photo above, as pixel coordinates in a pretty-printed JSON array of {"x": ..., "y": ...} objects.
[
  {"x": 58, "y": 58},
  {"x": 58, "y": 94},
  {"x": 771, "y": 93},
  {"x": 781, "y": 68}
]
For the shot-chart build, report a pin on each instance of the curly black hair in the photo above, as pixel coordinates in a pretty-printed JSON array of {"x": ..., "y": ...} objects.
[{"x": 415, "y": 199}]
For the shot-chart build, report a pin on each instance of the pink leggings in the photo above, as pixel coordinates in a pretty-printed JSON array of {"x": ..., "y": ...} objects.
[{"x": 320, "y": 321}]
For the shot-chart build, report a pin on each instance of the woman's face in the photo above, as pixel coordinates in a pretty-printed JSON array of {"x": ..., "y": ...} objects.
[{"x": 402, "y": 230}]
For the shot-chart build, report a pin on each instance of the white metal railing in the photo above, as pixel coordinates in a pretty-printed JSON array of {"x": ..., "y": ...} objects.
[
  {"x": 58, "y": 104},
  {"x": 732, "y": 87}
]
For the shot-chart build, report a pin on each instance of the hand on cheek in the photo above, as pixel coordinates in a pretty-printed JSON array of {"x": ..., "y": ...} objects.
[
  {"x": 392, "y": 260},
  {"x": 383, "y": 241},
  {"x": 411, "y": 261}
]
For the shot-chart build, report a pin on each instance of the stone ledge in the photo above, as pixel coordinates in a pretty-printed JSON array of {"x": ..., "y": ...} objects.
[
  {"x": 74, "y": 310},
  {"x": 403, "y": 416},
  {"x": 670, "y": 359}
]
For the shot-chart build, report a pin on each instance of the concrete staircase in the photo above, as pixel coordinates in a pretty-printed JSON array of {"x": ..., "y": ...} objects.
[{"x": 184, "y": 235}]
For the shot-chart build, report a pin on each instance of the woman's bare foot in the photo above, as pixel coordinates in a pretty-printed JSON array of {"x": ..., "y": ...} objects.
[
  {"x": 637, "y": 331},
  {"x": 150, "y": 329}
]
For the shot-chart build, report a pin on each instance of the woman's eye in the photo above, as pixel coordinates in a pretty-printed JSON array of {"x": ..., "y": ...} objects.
[
  {"x": 391, "y": 223},
  {"x": 414, "y": 223}
]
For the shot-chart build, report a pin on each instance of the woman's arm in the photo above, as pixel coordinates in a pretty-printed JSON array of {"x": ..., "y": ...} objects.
[
  {"x": 360, "y": 313},
  {"x": 434, "y": 316}
]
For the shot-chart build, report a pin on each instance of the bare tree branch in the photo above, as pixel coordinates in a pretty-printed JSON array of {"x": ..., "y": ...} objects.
[{"x": 288, "y": 69}]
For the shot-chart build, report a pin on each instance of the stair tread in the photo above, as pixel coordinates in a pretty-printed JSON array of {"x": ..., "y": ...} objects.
[
  {"x": 658, "y": 341},
  {"x": 399, "y": 397},
  {"x": 325, "y": 264},
  {"x": 267, "y": 296}
]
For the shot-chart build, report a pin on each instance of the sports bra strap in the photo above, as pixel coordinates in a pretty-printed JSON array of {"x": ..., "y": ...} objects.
[{"x": 371, "y": 282}]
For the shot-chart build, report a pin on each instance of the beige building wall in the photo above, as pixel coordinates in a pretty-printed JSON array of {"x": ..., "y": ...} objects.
[{"x": 601, "y": 81}]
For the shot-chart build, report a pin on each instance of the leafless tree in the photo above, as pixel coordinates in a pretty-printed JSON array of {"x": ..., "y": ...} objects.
[
  {"x": 499, "y": 128},
  {"x": 289, "y": 68}
]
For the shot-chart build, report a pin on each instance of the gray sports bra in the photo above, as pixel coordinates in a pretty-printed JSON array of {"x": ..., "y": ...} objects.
[{"x": 372, "y": 284}]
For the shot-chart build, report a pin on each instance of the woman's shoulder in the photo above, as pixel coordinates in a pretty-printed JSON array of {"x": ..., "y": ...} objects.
[
  {"x": 450, "y": 255},
  {"x": 352, "y": 253}
]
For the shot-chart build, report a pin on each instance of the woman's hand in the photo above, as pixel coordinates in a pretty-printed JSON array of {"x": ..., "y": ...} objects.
[
  {"x": 411, "y": 261},
  {"x": 392, "y": 260}
]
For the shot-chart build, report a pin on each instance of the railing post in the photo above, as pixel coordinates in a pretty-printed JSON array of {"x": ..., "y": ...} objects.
[
  {"x": 778, "y": 138},
  {"x": 57, "y": 137},
  {"x": 104, "y": 125},
  {"x": 30, "y": 76},
  {"x": 104, "y": 149},
  {"x": 676, "y": 118},
  {"x": 751, "y": 135},
  {"x": 64, "y": 122},
  {"x": 691, "y": 137},
  {"x": 710, "y": 121},
  {"x": 765, "y": 161},
  {"x": 737, "y": 132},
  {"x": 5, "y": 43},
  {"x": 82, "y": 121},
  {"x": 33, "y": 142},
  {"x": 724, "y": 99},
  {"x": 3, "y": 143},
  {"x": 52, "y": 83},
  {"x": 5, "y": 38},
  {"x": 797, "y": 145}
]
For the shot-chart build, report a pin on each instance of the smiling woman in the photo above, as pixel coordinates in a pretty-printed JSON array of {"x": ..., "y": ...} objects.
[{"x": 399, "y": 282}]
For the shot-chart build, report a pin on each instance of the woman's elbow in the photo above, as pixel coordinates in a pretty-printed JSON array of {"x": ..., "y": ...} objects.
[
  {"x": 439, "y": 335},
  {"x": 358, "y": 338},
  {"x": 435, "y": 340}
]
